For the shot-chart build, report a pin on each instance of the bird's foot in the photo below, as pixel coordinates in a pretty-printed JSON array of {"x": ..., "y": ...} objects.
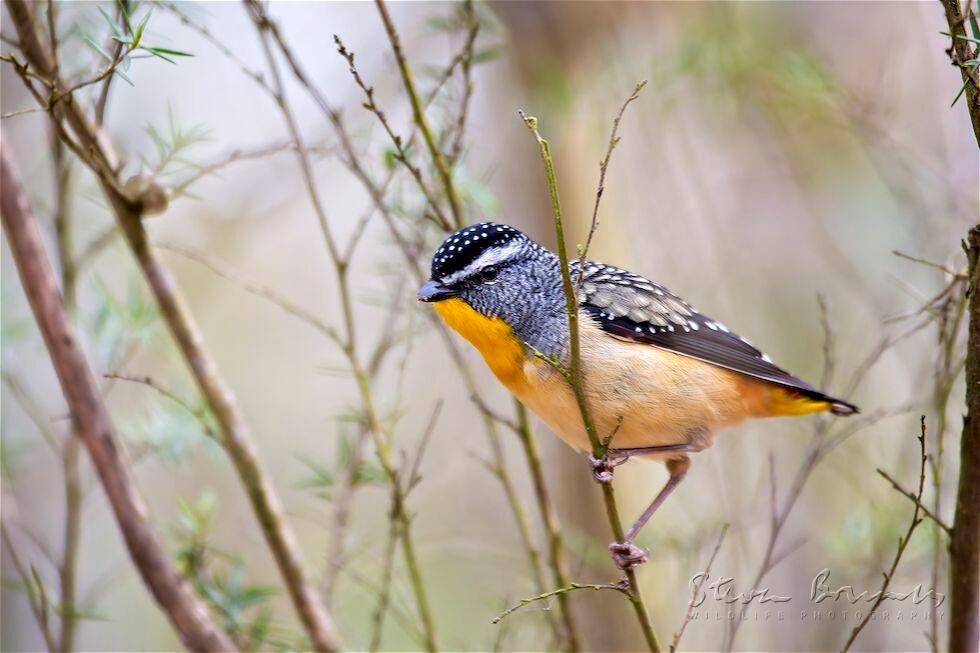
[
  {"x": 603, "y": 468},
  {"x": 627, "y": 555}
]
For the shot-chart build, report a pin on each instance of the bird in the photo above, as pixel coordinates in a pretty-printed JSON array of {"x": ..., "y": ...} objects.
[{"x": 659, "y": 377}]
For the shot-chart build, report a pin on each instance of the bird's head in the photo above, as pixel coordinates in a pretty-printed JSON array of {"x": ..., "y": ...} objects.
[{"x": 495, "y": 269}]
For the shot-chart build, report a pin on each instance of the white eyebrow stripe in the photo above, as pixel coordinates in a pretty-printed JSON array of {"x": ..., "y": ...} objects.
[{"x": 489, "y": 257}]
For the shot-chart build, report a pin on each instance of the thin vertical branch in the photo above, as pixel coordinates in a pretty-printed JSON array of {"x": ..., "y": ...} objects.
[
  {"x": 696, "y": 589},
  {"x": 418, "y": 114},
  {"x": 91, "y": 422},
  {"x": 466, "y": 64},
  {"x": 603, "y": 167},
  {"x": 950, "y": 321},
  {"x": 384, "y": 595},
  {"x": 961, "y": 51},
  {"x": 549, "y": 520},
  {"x": 382, "y": 436},
  {"x": 575, "y": 378},
  {"x": 820, "y": 444},
  {"x": 964, "y": 545},
  {"x": 902, "y": 541},
  {"x": 68, "y": 568},
  {"x": 410, "y": 257}
]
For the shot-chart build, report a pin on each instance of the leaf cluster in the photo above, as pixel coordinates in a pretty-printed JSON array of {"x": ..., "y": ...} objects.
[
  {"x": 130, "y": 38},
  {"x": 220, "y": 578}
]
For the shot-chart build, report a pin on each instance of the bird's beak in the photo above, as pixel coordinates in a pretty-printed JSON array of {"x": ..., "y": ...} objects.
[{"x": 433, "y": 291}]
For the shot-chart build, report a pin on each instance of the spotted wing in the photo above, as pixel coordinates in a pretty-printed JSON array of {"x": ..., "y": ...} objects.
[{"x": 631, "y": 307}]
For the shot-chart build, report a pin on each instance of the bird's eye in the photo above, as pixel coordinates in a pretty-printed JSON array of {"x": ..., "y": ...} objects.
[{"x": 489, "y": 273}]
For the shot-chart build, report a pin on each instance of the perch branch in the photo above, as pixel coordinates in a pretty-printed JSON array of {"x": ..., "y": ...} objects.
[{"x": 575, "y": 377}]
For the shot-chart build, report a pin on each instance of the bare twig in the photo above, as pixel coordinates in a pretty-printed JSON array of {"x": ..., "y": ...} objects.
[
  {"x": 96, "y": 246},
  {"x": 829, "y": 338},
  {"x": 931, "y": 264},
  {"x": 401, "y": 151},
  {"x": 251, "y": 73},
  {"x": 21, "y": 112},
  {"x": 198, "y": 413},
  {"x": 414, "y": 470},
  {"x": 822, "y": 441},
  {"x": 702, "y": 579},
  {"x": 603, "y": 166},
  {"x": 236, "y": 156},
  {"x": 621, "y": 587},
  {"x": 187, "y": 614},
  {"x": 265, "y": 293},
  {"x": 418, "y": 113},
  {"x": 902, "y": 541},
  {"x": 41, "y": 422},
  {"x": 384, "y": 595},
  {"x": 915, "y": 499},
  {"x": 466, "y": 60}
]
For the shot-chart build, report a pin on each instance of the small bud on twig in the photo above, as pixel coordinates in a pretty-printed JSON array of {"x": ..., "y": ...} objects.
[{"x": 145, "y": 191}]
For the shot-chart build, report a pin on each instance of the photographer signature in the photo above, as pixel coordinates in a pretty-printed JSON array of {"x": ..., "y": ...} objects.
[{"x": 723, "y": 589}]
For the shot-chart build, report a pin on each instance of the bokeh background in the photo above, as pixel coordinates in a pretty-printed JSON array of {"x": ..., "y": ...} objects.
[{"x": 779, "y": 150}]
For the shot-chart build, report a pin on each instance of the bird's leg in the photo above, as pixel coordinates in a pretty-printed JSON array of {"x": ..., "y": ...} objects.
[
  {"x": 602, "y": 468},
  {"x": 626, "y": 554}
]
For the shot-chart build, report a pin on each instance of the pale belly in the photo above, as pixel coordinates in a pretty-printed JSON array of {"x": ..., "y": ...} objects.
[{"x": 647, "y": 396}]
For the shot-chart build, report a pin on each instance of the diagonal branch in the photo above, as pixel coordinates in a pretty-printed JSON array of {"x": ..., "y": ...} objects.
[{"x": 90, "y": 418}]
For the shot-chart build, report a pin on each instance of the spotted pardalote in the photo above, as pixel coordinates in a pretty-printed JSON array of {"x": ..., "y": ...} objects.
[{"x": 659, "y": 377}]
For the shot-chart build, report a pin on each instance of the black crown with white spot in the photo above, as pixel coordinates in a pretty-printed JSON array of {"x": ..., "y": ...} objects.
[{"x": 465, "y": 246}]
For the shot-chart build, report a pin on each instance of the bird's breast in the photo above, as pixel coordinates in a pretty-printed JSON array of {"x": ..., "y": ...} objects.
[{"x": 493, "y": 337}]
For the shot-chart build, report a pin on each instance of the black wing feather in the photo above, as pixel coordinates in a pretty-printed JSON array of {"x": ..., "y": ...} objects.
[{"x": 631, "y": 307}]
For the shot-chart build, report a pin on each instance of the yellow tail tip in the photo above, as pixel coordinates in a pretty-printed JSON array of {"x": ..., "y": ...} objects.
[{"x": 784, "y": 402}]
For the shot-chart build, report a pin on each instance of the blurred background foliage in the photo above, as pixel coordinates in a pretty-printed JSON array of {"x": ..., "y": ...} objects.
[{"x": 779, "y": 150}]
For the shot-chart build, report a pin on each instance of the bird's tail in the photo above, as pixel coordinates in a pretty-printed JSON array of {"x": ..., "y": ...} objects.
[{"x": 791, "y": 401}]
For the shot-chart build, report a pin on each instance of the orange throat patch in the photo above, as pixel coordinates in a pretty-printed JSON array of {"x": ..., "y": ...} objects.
[{"x": 491, "y": 336}]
